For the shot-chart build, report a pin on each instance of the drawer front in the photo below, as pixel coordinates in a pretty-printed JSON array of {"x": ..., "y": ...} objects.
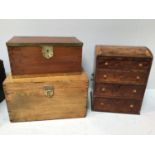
[
  {"x": 120, "y": 91},
  {"x": 123, "y": 64},
  {"x": 118, "y": 76},
  {"x": 117, "y": 105},
  {"x": 44, "y": 60}
]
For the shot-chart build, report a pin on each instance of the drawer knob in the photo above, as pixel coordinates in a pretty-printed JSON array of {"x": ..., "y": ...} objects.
[
  {"x": 48, "y": 91},
  {"x": 103, "y": 89},
  {"x": 102, "y": 103},
  {"x": 131, "y": 105},
  {"x": 134, "y": 91},
  {"x": 104, "y": 76},
  {"x": 138, "y": 77},
  {"x": 106, "y": 63},
  {"x": 140, "y": 65}
]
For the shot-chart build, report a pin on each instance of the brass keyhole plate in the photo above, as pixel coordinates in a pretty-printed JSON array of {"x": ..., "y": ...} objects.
[
  {"x": 48, "y": 91},
  {"x": 47, "y": 52}
]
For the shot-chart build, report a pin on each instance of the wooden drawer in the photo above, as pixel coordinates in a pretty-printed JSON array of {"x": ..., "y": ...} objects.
[
  {"x": 117, "y": 105},
  {"x": 119, "y": 76},
  {"x": 120, "y": 91},
  {"x": 123, "y": 63}
]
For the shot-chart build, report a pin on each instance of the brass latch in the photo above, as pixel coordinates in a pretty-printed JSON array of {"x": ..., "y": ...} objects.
[
  {"x": 48, "y": 91},
  {"x": 47, "y": 52}
]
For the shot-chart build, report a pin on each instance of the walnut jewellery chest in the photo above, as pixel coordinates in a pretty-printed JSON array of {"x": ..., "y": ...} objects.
[
  {"x": 47, "y": 80},
  {"x": 2, "y": 77},
  {"x": 120, "y": 79}
]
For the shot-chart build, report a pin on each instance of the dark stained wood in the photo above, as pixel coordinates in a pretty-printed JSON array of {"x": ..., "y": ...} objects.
[
  {"x": 119, "y": 91},
  {"x": 121, "y": 75},
  {"x": 123, "y": 51},
  {"x": 117, "y": 105},
  {"x": 123, "y": 63},
  {"x": 25, "y": 60},
  {"x": 43, "y": 40},
  {"x": 2, "y": 77}
]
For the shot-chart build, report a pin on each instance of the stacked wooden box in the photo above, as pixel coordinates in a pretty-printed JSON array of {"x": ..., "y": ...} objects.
[
  {"x": 2, "y": 77},
  {"x": 47, "y": 80},
  {"x": 121, "y": 76}
]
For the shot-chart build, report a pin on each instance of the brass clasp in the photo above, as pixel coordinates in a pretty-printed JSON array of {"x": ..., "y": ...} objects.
[
  {"x": 47, "y": 52},
  {"x": 48, "y": 91}
]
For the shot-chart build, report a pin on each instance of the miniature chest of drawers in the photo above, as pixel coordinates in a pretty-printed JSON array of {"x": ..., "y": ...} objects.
[
  {"x": 2, "y": 77},
  {"x": 120, "y": 78},
  {"x": 44, "y": 55}
]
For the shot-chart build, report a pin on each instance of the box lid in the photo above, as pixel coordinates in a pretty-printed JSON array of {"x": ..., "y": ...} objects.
[
  {"x": 123, "y": 51},
  {"x": 43, "y": 40}
]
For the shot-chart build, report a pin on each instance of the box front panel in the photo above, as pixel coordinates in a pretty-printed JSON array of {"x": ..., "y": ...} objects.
[
  {"x": 41, "y": 101},
  {"x": 45, "y": 59}
]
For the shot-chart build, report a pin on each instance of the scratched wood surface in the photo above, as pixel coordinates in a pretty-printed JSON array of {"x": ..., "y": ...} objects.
[
  {"x": 26, "y": 55},
  {"x": 121, "y": 75},
  {"x": 26, "y": 99}
]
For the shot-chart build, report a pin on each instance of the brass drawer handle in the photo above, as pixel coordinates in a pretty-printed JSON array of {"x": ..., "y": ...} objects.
[
  {"x": 106, "y": 63},
  {"x": 134, "y": 91},
  {"x": 47, "y": 52},
  {"x": 131, "y": 105},
  {"x": 102, "y": 103},
  {"x": 138, "y": 77},
  {"x": 48, "y": 91},
  {"x": 140, "y": 65},
  {"x": 104, "y": 76}
]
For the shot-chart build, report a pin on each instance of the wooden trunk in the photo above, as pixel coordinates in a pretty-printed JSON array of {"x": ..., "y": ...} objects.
[
  {"x": 120, "y": 78},
  {"x": 2, "y": 77},
  {"x": 42, "y": 98},
  {"x": 44, "y": 55}
]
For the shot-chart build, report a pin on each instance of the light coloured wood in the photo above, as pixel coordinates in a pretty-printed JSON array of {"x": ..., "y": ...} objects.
[{"x": 26, "y": 100}]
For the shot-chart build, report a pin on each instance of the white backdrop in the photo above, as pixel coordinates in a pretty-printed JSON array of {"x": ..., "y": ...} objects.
[{"x": 91, "y": 32}]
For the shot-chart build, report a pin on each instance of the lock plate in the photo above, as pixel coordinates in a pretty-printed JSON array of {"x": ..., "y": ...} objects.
[
  {"x": 48, "y": 91},
  {"x": 47, "y": 52}
]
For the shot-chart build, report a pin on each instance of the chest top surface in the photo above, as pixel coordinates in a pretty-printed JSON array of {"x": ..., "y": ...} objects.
[
  {"x": 39, "y": 40},
  {"x": 123, "y": 51}
]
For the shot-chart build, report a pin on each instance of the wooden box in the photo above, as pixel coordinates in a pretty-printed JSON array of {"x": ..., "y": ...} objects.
[
  {"x": 44, "y": 55},
  {"x": 43, "y": 98},
  {"x": 2, "y": 77},
  {"x": 120, "y": 78}
]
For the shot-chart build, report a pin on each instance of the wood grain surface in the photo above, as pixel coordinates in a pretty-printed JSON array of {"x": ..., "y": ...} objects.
[
  {"x": 121, "y": 75},
  {"x": 26, "y": 99}
]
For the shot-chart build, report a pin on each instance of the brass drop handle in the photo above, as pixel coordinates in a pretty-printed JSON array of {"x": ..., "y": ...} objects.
[
  {"x": 47, "y": 52},
  {"x": 48, "y": 91},
  {"x": 134, "y": 91}
]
